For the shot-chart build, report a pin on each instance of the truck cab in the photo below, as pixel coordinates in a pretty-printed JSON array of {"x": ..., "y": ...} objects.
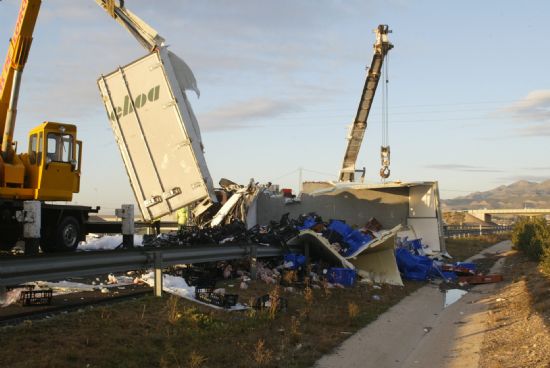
[
  {"x": 49, "y": 170},
  {"x": 53, "y": 162}
]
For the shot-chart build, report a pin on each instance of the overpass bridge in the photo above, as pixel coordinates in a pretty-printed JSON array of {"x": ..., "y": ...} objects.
[{"x": 487, "y": 215}]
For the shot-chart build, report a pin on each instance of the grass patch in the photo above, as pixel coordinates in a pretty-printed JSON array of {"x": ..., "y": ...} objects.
[
  {"x": 170, "y": 332},
  {"x": 463, "y": 248}
]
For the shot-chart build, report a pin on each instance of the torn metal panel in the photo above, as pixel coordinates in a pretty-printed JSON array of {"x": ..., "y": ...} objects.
[
  {"x": 427, "y": 230},
  {"x": 377, "y": 263},
  {"x": 252, "y": 213},
  {"x": 374, "y": 260},
  {"x": 381, "y": 237},
  {"x": 240, "y": 206},
  {"x": 228, "y": 206},
  {"x": 320, "y": 247},
  {"x": 425, "y": 216}
]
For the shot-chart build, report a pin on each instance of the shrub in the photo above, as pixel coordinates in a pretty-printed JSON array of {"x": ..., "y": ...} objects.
[
  {"x": 545, "y": 260},
  {"x": 531, "y": 236}
]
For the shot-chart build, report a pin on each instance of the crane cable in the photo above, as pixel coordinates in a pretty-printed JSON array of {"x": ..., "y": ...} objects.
[{"x": 385, "y": 147}]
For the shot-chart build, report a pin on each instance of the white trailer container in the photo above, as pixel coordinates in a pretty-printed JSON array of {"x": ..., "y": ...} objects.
[{"x": 157, "y": 133}]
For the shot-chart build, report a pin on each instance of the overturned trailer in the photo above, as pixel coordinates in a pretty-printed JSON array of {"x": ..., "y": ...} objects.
[
  {"x": 403, "y": 209},
  {"x": 157, "y": 133},
  {"x": 415, "y": 206}
]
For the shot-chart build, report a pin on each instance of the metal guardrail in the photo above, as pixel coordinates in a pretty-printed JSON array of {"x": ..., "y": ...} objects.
[
  {"x": 466, "y": 231},
  {"x": 17, "y": 270}
]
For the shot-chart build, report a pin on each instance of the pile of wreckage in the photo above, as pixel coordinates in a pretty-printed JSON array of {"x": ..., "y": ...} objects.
[{"x": 318, "y": 253}]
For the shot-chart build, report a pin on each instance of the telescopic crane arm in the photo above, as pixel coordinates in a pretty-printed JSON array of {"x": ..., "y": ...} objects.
[
  {"x": 145, "y": 34},
  {"x": 357, "y": 130},
  {"x": 10, "y": 79}
]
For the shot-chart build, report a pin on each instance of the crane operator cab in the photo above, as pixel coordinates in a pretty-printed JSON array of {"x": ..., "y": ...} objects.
[{"x": 52, "y": 163}]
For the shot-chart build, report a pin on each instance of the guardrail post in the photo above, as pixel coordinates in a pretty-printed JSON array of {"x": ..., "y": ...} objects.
[
  {"x": 3, "y": 294},
  {"x": 126, "y": 213},
  {"x": 253, "y": 261},
  {"x": 31, "y": 219},
  {"x": 158, "y": 273},
  {"x": 480, "y": 230}
]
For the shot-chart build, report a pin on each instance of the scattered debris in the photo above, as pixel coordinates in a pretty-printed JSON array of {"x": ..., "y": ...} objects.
[
  {"x": 453, "y": 295},
  {"x": 480, "y": 279},
  {"x": 178, "y": 286},
  {"x": 268, "y": 301},
  {"x": 216, "y": 297},
  {"x": 371, "y": 254},
  {"x": 341, "y": 276}
]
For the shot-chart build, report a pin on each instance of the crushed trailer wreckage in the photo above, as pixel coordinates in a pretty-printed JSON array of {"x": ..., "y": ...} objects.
[{"x": 387, "y": 213}]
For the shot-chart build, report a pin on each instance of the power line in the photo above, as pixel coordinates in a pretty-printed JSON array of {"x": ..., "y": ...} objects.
[
  {"x": 320, "y": 172},
  {"x": 284, "y": 175},
  {"x": 438, "y": 105}
]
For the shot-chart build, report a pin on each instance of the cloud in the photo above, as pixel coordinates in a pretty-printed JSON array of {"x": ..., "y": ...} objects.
[
  {"x": 536, "y": 130},
  {"x": 245, "y": 114},
  {"x": 534, "y": 111},
  {"x": 464, "y": 168}
]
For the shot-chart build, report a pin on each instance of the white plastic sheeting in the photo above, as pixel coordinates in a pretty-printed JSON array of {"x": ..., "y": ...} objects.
[
  {"x": 107, "y": 242},
  {"x": 177, "y": 286}
]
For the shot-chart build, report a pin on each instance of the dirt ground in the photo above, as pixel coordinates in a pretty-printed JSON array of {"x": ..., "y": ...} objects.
[{"x": 518, "y": 326}]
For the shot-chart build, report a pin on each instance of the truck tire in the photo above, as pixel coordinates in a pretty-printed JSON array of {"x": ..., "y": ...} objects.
[
  {"x": 67, "y": 234},
  {"x": 64, "y": 238}
]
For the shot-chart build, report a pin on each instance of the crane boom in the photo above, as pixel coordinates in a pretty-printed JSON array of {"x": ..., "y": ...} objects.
[
  {"x": 357, "y": 130},
  {"x": 10, "y": 79},
  {"x": 144, "y": 33}
]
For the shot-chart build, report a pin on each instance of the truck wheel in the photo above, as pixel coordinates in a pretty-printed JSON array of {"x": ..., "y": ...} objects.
[{"x": 67, "y": 235}]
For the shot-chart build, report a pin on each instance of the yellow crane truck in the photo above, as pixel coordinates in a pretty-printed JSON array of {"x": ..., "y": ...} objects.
[
  {"x": 50, "y": 168},
  {"x": 160, "y": 145}
]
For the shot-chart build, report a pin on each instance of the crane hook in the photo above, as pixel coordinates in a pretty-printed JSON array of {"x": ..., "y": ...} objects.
[{"x": 385, "y": 158}]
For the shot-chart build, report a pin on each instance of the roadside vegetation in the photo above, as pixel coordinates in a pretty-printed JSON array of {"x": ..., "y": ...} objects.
[
  {"x": 463, "y": 248},
  {"x": 518, "y": 322},
  {"x": 174, "y": 332},
  {"x": 532, "y": 237}
]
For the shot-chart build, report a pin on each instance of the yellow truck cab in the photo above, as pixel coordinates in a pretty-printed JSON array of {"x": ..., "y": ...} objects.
[
  {"x": 49, "y": 171},
  {"x": 53, "y": 162}
]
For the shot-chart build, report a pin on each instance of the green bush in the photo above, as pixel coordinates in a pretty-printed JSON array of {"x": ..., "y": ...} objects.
[
  {"x": 532, "y": 236},
  {"x": 545, "y": 260}
]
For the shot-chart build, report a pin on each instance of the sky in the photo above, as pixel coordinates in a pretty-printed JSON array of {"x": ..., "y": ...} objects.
[{"x": 280, "y": 81}]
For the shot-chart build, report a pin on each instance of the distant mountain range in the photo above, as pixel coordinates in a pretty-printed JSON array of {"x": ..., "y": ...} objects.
[{"x": 520, "y": 194}]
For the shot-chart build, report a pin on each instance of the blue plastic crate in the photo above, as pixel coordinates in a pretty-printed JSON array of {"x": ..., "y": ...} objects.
[
  {"x": 342, "y": 276},
  {"x": 356, "y": 240},
  {"x": 340, "y": 227},
  {"x": 416, "y": 244},
  {"x": 297, "y": 260},
  {"x": 308, "y": 224}
]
